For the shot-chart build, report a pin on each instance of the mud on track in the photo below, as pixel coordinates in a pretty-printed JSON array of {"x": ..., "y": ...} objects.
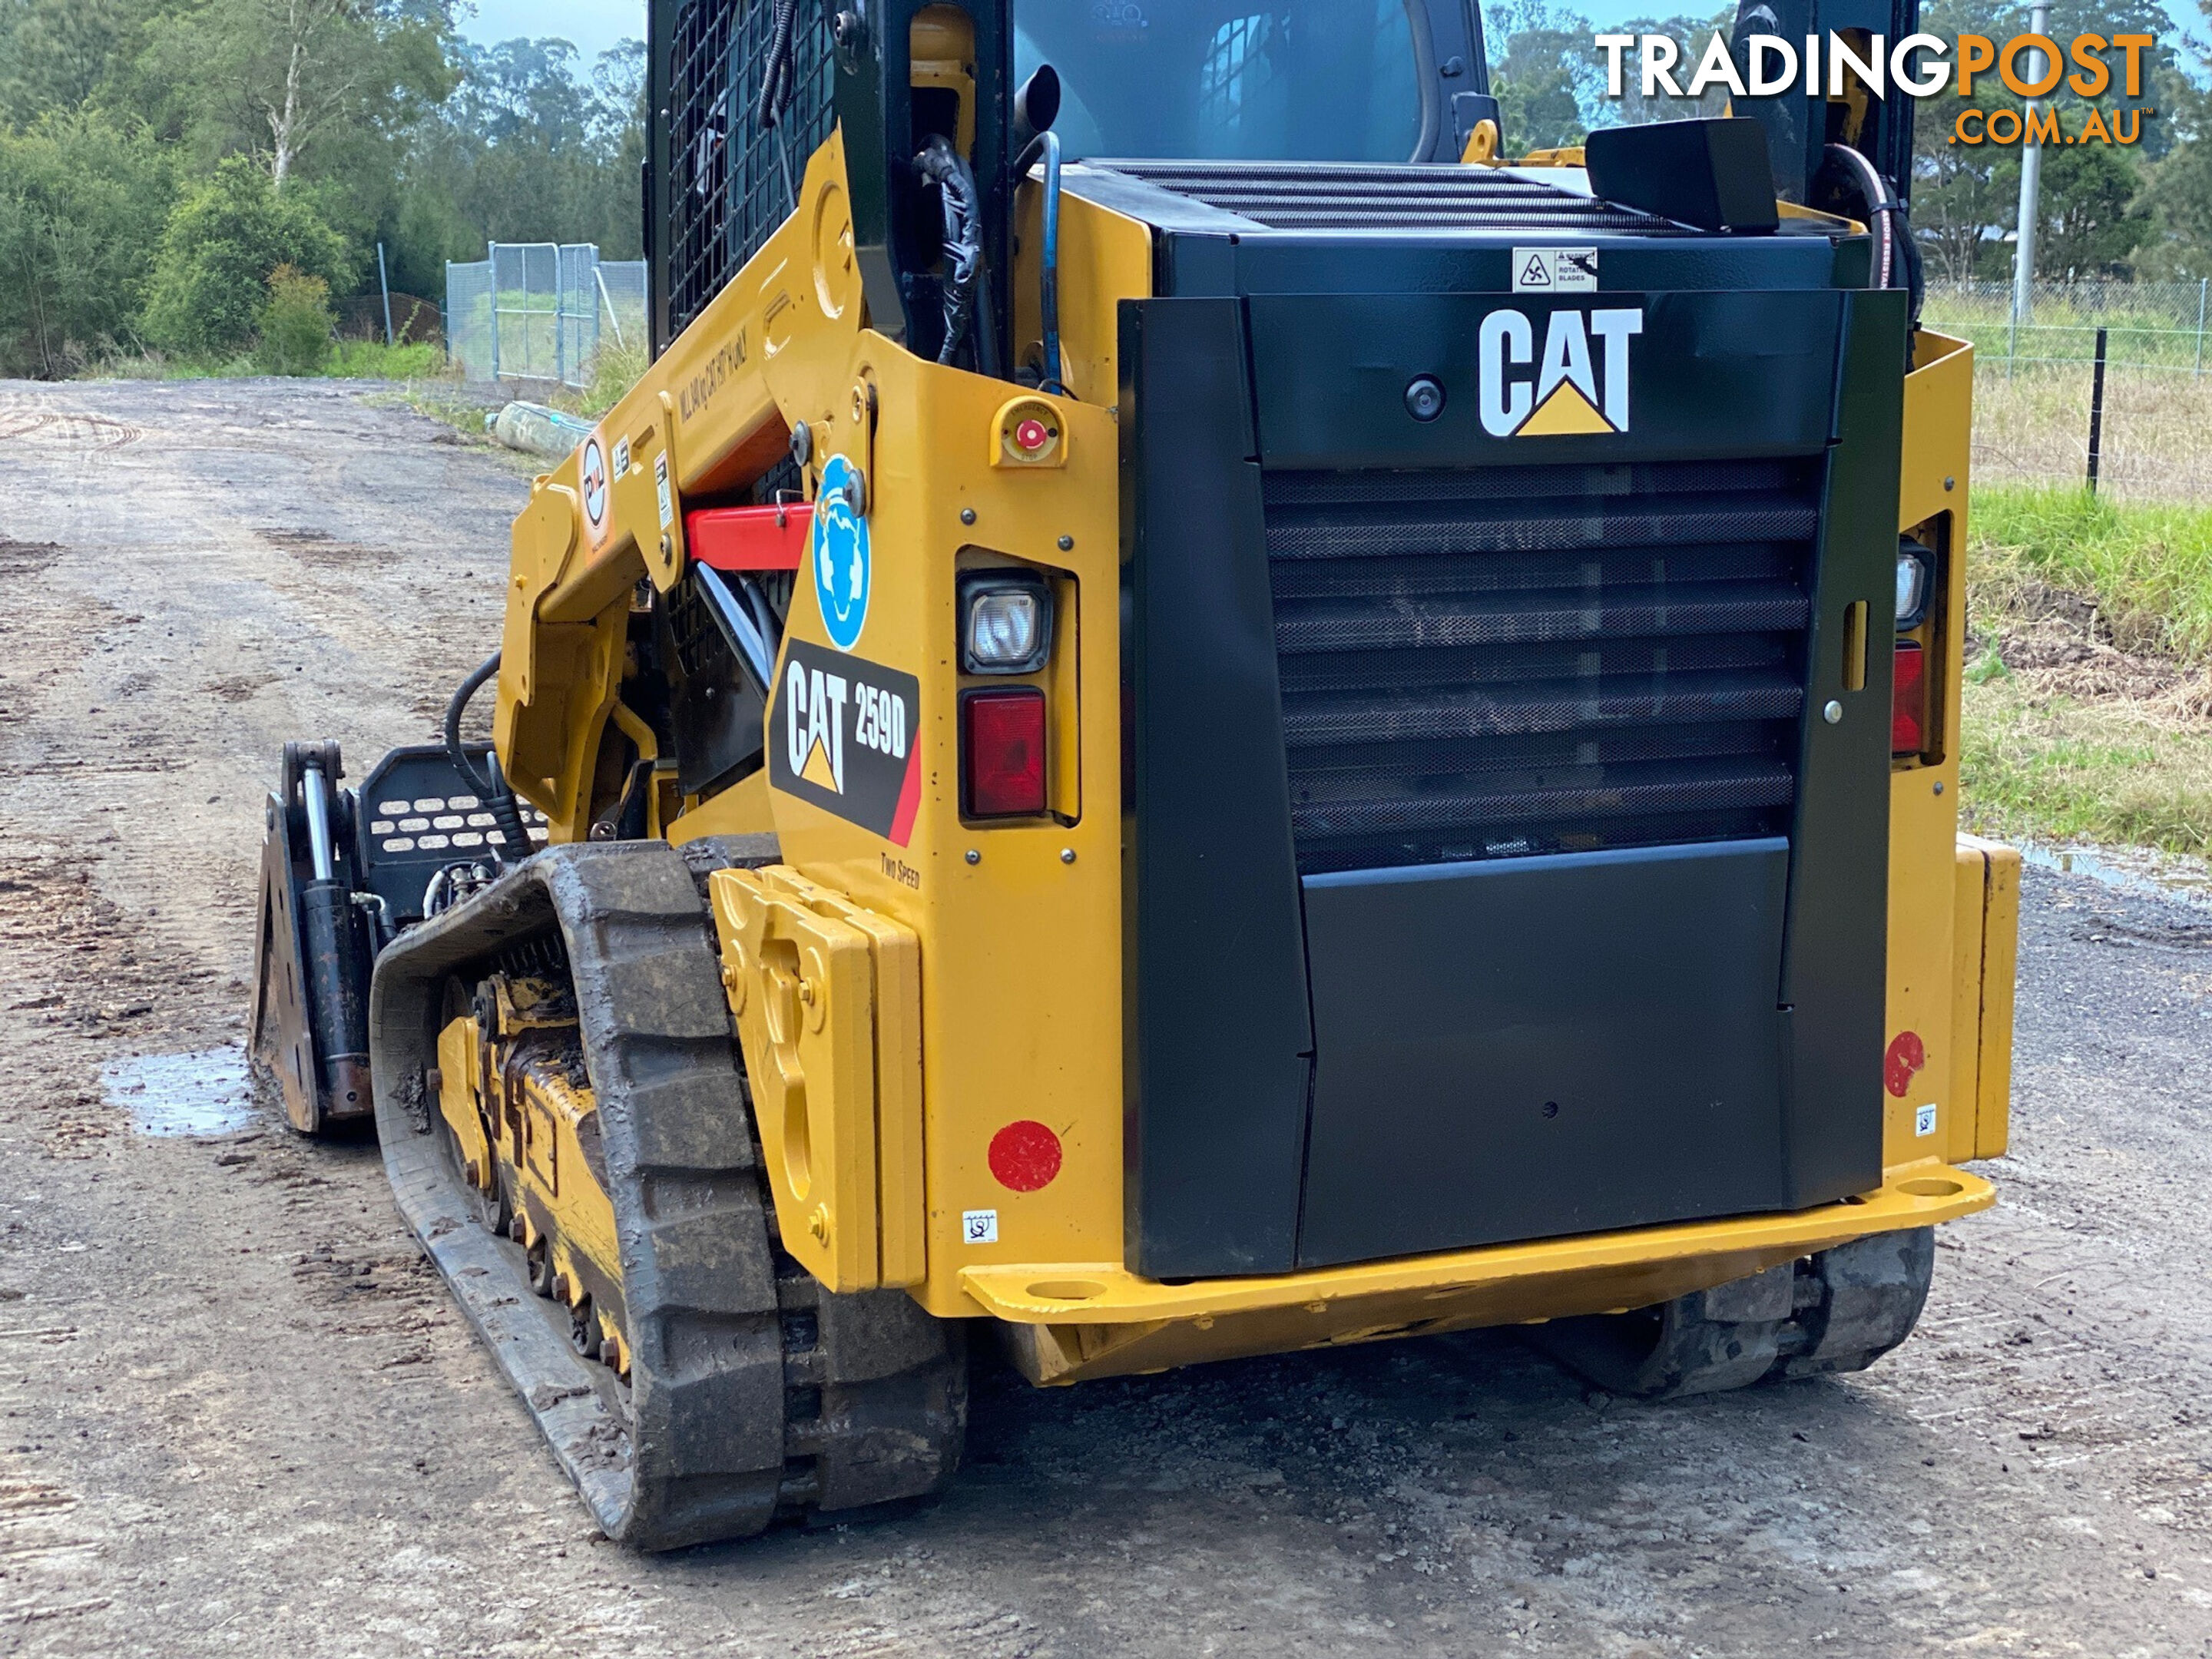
[{"x": 237, "y": 1415}]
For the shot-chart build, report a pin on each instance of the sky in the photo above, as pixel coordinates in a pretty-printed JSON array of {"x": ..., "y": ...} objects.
[{"x": 592, "y": 26}]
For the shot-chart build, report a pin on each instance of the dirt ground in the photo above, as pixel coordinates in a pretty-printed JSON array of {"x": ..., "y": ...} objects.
[{"x": 238, "y": 1416}]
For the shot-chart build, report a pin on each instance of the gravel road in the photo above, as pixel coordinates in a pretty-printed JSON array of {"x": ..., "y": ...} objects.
[{"x": 238, "y": 1417}]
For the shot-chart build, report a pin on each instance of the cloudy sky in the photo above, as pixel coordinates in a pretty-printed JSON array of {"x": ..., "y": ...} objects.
[{"x": 592, "y": 26}]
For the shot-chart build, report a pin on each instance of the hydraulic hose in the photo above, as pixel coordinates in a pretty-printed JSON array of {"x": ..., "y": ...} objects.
[
  {"x": 940, "y": 165},
  {"x": 491, "y": 786},
  {"x": 778, "y": 80},
  {"x": 1047, "y": 145},
  {"x": 749, "y": 629},
  {"x": 776, "y": 77},
  {"x": 1896, "y": 258}
]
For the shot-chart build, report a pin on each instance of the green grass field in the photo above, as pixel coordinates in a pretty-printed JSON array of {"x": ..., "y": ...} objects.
[{"x": 2085, "y": 714}]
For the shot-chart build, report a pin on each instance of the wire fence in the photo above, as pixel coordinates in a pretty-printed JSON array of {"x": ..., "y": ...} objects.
[
  {"x": 2035, "y": 380},
  {"x": 541, "y": 311},
  {"x": 2148, "y": 325}
]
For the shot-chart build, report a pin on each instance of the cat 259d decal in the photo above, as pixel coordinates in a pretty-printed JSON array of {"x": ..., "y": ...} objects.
[{"x": 841, "y": 736}]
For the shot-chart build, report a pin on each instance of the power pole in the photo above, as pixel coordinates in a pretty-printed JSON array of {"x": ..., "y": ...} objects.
[{"x": 2030, "y": 181}]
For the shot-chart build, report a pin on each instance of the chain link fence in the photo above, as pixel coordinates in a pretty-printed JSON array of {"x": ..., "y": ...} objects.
[
  {"x": 2149, "y": 325},
  {"x": 541, "y": 311},
  {"x": 2035, "y": 379}
]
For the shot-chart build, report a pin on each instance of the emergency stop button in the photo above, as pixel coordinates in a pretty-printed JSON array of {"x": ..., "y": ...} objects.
[{"x": 1028, "y": 432}]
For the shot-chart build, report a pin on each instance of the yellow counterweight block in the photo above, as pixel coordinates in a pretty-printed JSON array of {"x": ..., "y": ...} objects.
[
  {"x": 513, "y": 1095},
  {"x": 828, "y": 1000}
]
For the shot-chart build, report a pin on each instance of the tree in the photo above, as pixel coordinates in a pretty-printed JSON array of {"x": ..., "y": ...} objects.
[
  {"x": 282, "y": 80},
  {"x": 58, "y": 56},
  {"x": 531, "y": 150},
  {"x": 220, "y": 246},
  {"x": 2088, "y": 222},
  {"x": 1550, "y": 81},
  {"x": 82, "y": 202},
  {"x": 1541, "y": 73}
]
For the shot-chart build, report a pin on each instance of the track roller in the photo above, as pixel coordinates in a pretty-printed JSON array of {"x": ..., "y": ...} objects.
[
  {"x": 740, "y": 1392},
  {"x": 1840, "y": 1310}
]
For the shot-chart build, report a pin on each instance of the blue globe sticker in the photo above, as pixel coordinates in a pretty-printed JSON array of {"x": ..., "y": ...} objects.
[{"x": 840, "y": 556}]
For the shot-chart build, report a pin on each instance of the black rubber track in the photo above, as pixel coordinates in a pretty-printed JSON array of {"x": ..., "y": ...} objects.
[
  {"x": 752, "y": 1394},
  {"x": 1838, "y": 1310}
]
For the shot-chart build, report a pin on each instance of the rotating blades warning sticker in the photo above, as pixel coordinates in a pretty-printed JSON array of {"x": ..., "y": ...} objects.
[{"x": 841, "y": 736}]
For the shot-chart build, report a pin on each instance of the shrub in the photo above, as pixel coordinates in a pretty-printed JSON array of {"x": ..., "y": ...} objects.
[
  {"x": 373, "y": 359},
  {"x": 82, "y": 202},
  {"x": 295, "y": 324},
  {"x": 224, "y": 243}
]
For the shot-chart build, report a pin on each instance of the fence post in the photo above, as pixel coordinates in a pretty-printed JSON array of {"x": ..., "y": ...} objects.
[
  {"x": 2097, "y": 412},
  {"x": 491, "y": 259},
  {"x": 384, "y": 284},
  {"x": 2201, "y": 282}
]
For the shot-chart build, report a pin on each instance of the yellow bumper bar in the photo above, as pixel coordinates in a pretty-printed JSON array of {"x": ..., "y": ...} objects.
[{"x": 1526, "y": 1281}]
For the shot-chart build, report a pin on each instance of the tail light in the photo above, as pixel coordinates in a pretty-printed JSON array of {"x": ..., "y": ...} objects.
[
  {"x": 1002, "y": 753},
  {"x": 1908, "y": 700}
]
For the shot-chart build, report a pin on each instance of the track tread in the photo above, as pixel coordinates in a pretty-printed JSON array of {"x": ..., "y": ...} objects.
[
  {"x": 1837, "y": 1310},
  {"x": 709, "y": 1447}
]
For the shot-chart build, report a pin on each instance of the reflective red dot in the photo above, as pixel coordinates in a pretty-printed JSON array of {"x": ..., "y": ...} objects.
[
  {"x": 1906, "y": 1055},
  {"x": 1025, "y": 1156}
]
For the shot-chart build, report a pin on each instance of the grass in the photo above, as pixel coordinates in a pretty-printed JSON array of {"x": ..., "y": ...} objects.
[
  {"x": 2152, "y": 323},
  {"x": 362, "y": 359},
  {"x": 2032, "y": 427},
  {"x": 373, "y": 359},
  {"x": 2064, "y": 768},
  {"x": 2145, "y": 569},
  {"x": 2085, "y": 708},
  {"x": 614, "y": 370}
]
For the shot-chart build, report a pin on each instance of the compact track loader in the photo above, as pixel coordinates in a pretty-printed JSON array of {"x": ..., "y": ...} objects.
[{"x": 1185, "y": 718}]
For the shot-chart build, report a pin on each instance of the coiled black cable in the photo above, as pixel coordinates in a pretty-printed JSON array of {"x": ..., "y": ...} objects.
[{"x": 939, "y": 164}]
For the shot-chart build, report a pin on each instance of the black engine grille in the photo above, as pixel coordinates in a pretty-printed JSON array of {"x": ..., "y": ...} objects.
[
  {"x": 726, "y": 190},
  {"x": 1515, "y": 661},
  {"x": 1351, "y": 196}
]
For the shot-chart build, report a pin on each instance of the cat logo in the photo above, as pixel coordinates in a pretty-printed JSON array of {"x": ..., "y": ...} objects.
[
  {"x": 814, "y": 721},
  {"x": 842, "y": 737},
  {"x": 1564, "y": 397}
]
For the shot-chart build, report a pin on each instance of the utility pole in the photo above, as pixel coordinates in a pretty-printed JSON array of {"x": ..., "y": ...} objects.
[{"x": 2030, "y": 181}]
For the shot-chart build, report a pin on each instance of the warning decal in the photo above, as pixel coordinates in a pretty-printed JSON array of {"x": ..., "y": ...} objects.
[
  {"x": 1555, "y": 270},
  {"x": 843, "y": 735},
  {"x": 592, "y": 476}
]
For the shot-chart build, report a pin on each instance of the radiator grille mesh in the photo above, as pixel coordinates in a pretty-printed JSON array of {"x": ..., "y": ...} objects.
[
  {"x": 727, "y": 193},
  {"x": 1516, "y": 660},
  {"x": 1356, "y": 196}
]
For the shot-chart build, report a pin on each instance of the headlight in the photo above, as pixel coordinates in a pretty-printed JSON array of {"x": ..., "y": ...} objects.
[
  {"x": 1915, "y": 567},
  {"x": 1006, "y": 623}
]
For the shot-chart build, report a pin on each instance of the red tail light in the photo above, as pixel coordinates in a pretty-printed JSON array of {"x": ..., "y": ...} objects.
[
  {"x": 1002, "y": 752},
  {"x": 1908, "y": 700}
]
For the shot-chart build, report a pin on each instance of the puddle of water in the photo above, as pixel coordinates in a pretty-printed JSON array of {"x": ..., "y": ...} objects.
[
  {"x": 208, "y": 1092},
  {"x": 2132, "y": 869}
]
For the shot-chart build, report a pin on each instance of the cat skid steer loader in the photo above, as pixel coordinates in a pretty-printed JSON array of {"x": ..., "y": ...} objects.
[{"x": 1184, "y": 718}]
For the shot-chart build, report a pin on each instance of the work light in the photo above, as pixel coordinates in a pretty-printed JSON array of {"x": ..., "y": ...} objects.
[
  {"x": 1006, "y": 623},
  {"x": 1915, "y": 567}
]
